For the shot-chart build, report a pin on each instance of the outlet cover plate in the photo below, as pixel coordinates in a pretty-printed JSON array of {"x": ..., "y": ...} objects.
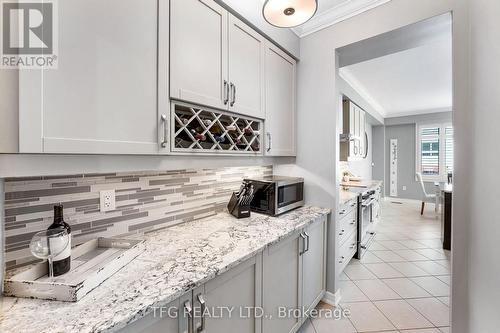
[{"x": 108, "y": 200}]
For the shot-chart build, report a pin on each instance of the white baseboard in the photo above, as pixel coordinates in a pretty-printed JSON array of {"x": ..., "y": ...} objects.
[{"x": 332, "y": 299}]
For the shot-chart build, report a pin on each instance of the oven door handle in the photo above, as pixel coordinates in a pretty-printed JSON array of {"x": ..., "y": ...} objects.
[{"x": 369, "y": 203}]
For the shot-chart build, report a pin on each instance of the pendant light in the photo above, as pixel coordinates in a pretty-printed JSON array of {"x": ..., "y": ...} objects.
[{"x": 289, "y": 13}]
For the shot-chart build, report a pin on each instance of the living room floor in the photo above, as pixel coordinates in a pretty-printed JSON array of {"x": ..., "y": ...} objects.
[{"x": 402, "y": 284}]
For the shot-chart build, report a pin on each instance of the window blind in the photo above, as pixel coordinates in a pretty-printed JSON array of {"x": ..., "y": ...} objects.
[{"x": 430, "y": 149}]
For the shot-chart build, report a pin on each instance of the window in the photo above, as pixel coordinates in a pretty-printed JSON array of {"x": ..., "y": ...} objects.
[{"x": 434, "y": 151}]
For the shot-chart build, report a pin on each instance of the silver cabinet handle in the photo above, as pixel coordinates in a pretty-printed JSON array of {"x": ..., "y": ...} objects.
[
  {"x": 233, "y": 92},
  {"x": 203, "y": 304},
  {"x": 188, "y": 309},
  {"x": 303, "y": 243},
  {"x": 165, "y": 131},
  {"x": 269, "y": 141},
  {"x": 307, "y": 235},
  {"x": 226, "y": 92}
]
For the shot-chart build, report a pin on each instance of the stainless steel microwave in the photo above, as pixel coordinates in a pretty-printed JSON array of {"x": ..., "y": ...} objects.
[{"x": 274, "y": 195}]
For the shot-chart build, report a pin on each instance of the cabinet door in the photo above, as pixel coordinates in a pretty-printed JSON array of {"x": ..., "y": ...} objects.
[
  {"x": 91, "y": 103},
  {"x": 238, "y": 289},
  {"x": 246, "y": 69},
  {"x": 198, "y": 52},
  {"x": 356, "y": 132},
  {"x": 280, "y": 103},
  {"x": 161, "y": 320},
  {"x": 282, "y": 285},
  {"x": 314, "y": 262}
]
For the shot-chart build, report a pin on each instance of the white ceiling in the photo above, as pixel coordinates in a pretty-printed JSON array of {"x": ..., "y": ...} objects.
[
  {"x": 415, "y": 81},
  {"x": 334, "y": 11}
]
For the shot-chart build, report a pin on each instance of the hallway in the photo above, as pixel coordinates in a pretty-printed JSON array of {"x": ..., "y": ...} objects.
[{"x": 402, "y": 284}]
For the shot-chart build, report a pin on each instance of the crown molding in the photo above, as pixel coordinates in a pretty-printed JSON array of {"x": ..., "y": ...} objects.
[{"x": 339, "y": 13}]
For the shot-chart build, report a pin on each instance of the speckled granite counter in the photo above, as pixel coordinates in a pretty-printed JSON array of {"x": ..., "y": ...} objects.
[
  {"x": 351, "y": 190},
  {"x": 346, "y": 195},
  {"x": 176, "y": 260}
]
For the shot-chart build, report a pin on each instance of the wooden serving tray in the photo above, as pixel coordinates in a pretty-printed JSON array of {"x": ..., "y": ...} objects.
[{"x": 91, "y": 264}]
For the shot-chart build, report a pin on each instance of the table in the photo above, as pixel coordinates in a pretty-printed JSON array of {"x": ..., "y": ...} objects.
[{"x": 446, "y": 214}]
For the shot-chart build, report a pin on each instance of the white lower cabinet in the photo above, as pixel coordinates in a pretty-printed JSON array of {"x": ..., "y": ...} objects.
[
  {"x": 314, "y": 265},
  {"x": 158, "y": 322},
  {"x": 289, "y": 275},
  {"x": 294, "y": 277}
]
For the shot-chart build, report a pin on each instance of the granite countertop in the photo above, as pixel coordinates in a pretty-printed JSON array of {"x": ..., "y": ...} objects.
[
  {"x": 363, "y": 183},
  {"x": 176, "y": 260},
  {"x": 351, "y": 190}
]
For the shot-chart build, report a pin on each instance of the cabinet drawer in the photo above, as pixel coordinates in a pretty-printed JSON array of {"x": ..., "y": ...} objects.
[
  {"x": 346, "y": 228},
  {"x": 347, "y": 207},
  {"x": 347, "y": 251}
]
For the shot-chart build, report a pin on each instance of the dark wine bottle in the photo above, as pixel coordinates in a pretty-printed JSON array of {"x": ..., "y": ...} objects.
[{"x": 62, "y": 262}]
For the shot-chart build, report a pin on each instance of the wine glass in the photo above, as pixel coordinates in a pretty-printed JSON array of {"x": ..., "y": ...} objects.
[{"x": 48, "y": 244}]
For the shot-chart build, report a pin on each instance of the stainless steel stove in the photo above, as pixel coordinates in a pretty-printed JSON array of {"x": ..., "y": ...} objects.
[{"x": 366, "y": 231}]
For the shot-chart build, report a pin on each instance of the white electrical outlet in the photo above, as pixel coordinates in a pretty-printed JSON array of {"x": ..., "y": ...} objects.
[
  {"x": 108, "y": 201},
  {"x": 404, "y": 188}
]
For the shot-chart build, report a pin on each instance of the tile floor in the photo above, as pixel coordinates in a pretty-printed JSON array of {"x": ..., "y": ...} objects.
[{"x": 401, "y": 284}]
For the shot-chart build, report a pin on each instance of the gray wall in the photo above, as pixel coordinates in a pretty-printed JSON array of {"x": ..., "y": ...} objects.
[
  {"x": 405, "y": 134},
  {"x": 484, "y": 162},
  {"x": 404, "y": 130}
]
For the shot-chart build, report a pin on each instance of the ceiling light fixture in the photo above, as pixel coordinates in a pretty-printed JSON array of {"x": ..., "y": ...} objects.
[{"x": 289, "y": 13}]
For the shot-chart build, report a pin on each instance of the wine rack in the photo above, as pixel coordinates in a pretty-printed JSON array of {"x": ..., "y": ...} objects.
[{"x": 204, "y": 130}]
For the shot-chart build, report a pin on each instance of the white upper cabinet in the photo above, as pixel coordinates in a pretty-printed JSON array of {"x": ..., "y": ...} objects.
[
  {"x": 198, "y": 52},
  {"x": 216, "y": 59},
  {"x": 280, "y": 103},
  {"x": 103, "y": 96},
  {"x": 246, "y": 69}
]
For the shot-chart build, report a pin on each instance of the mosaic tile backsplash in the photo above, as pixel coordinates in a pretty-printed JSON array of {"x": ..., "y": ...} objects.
[{"x": 145, "y": 201}]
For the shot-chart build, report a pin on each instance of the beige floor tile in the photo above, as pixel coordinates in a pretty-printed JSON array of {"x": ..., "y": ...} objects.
[
  {"x": 423, "y": 330},
  {"x": 411, "y": 255},
  {"x": 445, "y": 329},
  {"x": 393, "y": 245},
  {"x": 413, "y": 244},
  {"x": 384, "y": 271},
  {"x": 406, "y": 288},
  {"x": 307, "y": 327},
  {"x": 323, "y": 325},
  {"x": 370, "y": 258},
  {"x": 444, "y": 300},
  {"x": 376, "y": 246},
  {"x": 366, "y": 317},
  {"x": 349, "y": 292},
  {"x": 343, "y": 277},
  {"x": 433, "y": 285},
  {"x": 432, "y": 254},
  {"x": 432, "y": 267},
  {"x": 376, "y": 290},
  {"x": 446, "y": 263},
  {"x": 445, "y": 278},
  {"x": 402, "y": 314},
  {"x": 432, "y": 243},
  {"x": 358, "y": 272},
  {"x": 389, "y": 256},
  {"x": 433, "y": 310},
  {"x": 409, "y": 269}
]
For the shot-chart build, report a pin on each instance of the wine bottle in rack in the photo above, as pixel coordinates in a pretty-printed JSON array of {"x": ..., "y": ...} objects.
[{"x": 62, "y": 262}]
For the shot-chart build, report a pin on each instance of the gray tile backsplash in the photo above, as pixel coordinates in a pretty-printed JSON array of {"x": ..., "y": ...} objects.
[{"x": 145, "y": 201}]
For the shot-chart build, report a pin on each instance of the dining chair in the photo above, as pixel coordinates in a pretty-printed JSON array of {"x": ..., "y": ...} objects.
[{"x": 425, "y": 195}]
